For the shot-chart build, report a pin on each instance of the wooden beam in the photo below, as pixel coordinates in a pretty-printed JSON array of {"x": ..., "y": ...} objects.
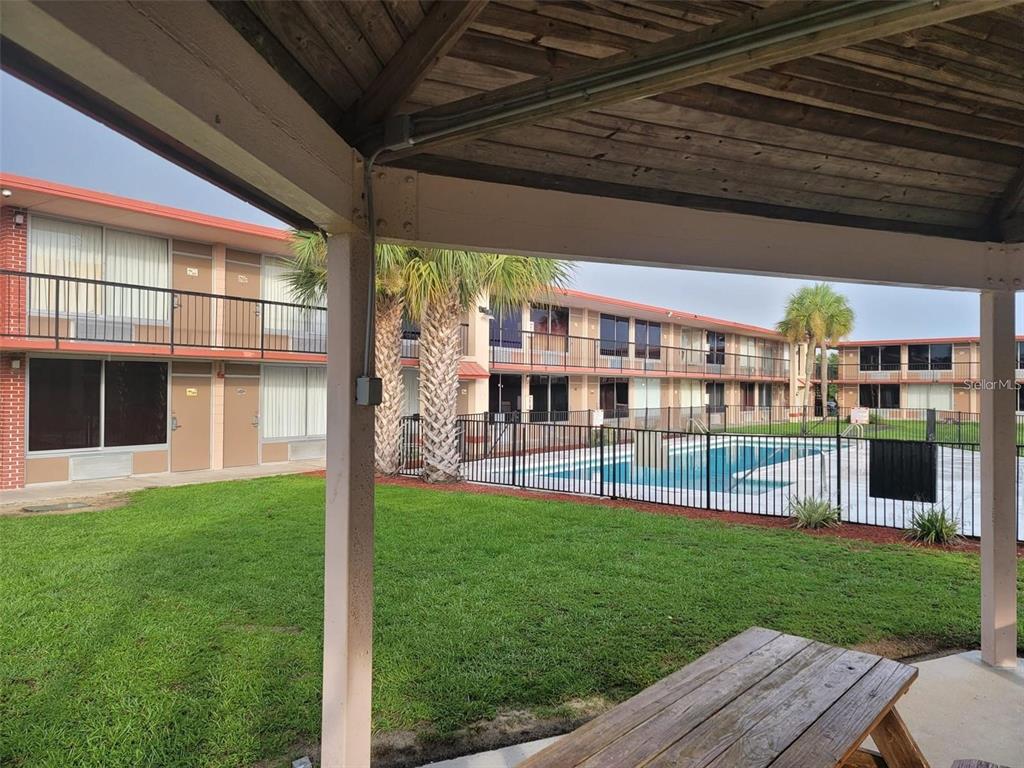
[
  {"x": 1007, "y": 218},
  {"x": 777, "y": 34},
  {"x": 510, "y": 218},
  {"x": 178, "y": 77},
  {"x": 430, "y": 41}
]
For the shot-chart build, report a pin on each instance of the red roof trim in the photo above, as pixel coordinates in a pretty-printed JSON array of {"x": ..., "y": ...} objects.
[
  {"x": 675, "y": 313},
  {"x": 41, "y": 186}
]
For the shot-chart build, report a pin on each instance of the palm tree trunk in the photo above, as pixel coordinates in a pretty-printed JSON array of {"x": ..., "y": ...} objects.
[
  {"x": 809, "y": 371},
  {"x": 387, "y": 424},
  {"x": 824, "y": 379},
  {"x": 439, "y": 390}
]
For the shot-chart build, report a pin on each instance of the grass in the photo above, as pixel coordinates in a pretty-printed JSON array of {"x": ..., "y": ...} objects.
[
  {"x": 184, "y": 629},
  {"x": 887, "y": 429}
]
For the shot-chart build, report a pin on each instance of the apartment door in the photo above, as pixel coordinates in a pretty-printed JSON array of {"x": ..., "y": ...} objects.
[
  {"x": 193, "y": 314},
  {"x": 242, "y": 314},
  {"x": 190, "y": 421},
  {"x": 241, "y": 420}
]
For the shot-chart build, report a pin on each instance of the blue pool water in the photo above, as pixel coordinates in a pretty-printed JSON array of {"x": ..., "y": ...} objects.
[{"x": 729, "y": 465}]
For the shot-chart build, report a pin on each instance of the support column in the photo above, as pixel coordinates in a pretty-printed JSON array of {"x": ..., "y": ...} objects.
[
  {"x": 998, "y": 480},
  {"x": 348, "y": 531}
]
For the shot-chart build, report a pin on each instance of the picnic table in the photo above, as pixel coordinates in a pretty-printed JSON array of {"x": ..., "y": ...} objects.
[{"x": 761, "y": 699}]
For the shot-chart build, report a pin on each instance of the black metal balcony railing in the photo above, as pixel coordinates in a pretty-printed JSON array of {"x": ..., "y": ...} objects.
[
  {"x": 952, "y": 372},
  {"x": 42, "y": 306},
  {"x": 411, "y": 343},
  {"x": 541, "y": 350}
]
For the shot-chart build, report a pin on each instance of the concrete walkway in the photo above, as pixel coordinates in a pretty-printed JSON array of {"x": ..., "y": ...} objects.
[
  {"x": 50, "y": 493},
  {"x": 957, "y": 708}
]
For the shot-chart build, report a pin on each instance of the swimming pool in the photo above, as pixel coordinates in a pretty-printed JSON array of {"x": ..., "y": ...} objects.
[{"x": 733, "y": 468}]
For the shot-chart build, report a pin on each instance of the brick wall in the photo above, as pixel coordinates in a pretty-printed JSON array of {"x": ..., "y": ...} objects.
[
  {"x": 13, "y": 255},
  {"x": 12, "y": 419}
]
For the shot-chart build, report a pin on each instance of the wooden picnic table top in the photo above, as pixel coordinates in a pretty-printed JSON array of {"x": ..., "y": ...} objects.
[{"x": 761, "y": 699}]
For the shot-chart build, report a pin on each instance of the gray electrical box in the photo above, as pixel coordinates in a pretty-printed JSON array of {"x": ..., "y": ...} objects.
[{"x": 369, "y": 390}]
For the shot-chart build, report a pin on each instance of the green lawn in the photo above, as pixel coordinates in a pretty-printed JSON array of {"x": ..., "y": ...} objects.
[
  {"x": 887, "y": 429},
  {"x": 184, "y": 629}
]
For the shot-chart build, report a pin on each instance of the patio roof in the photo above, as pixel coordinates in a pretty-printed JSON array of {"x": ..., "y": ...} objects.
[{"x": 861, "y": 140}]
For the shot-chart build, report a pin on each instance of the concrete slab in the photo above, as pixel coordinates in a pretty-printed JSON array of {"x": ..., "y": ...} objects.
[
  {"x": 962, "y": 708},
  {"x": 957, "y": 708},
  {"x": 51, "y": 493}
]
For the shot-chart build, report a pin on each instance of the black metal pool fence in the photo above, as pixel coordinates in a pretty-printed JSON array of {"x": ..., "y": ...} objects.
[{"x": 882, "y": 472}]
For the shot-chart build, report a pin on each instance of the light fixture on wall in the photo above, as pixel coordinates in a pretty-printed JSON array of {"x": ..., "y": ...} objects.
[
  {"x": 485, "y": 311},
  {"x": 6, "y": 192}
]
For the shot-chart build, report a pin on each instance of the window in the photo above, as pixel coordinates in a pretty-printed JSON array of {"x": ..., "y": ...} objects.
[
  {"x": 885, "y": 358},
  {"x": 1020, "y": 398},
  {"x": 615, "y": 397},
  {"x": 505, "y": 392},
  {"x": 614, "y": 336},
  {"x": 648, "y": 340},
  {"x": 294, "y": 401},
  {"x": 134, "y": 403},
  {"x": 646, "y": 394},
  {"x": 716, "y": 348},
  {"x": 880, "y": 395},
  {"x": 930, "y": 357},
  {"x": 747, "y": 395},
  {"x": 715, "y": 394},
  {"x": 550, "y": 398},
  {"x": 64, "y": 404},
  {"x": 937, "y": 396},
  {"x": 76, "y": 404},
  {"x": 764, "y": 395},
  {"x": 1020, "y": 354},
  {"x": 548, "y": 319},
  {"x": 507, "y": 329}
]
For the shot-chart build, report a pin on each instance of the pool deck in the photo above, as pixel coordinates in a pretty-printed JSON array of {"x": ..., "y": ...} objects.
[{"x": 958, "y": 708}]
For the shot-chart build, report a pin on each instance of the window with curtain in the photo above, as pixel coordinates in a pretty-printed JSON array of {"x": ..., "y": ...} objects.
[
  {"x": 67, "y": 249},
  {"x": 136, "y": 260},
  {"x": 294, "y": 401},
  {"x": 937, "y": 396},
  {"x": 648, "y": 340},
  {"x": 305, "y": 328}
]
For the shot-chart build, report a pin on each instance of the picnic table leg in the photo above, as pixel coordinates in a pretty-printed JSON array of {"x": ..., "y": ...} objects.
[{"x": 896, "y": 744}]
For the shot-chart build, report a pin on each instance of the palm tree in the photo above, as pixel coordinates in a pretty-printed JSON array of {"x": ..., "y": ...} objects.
[
  {"x": 834, "y": 320},
  {"x": 441, "y": 286},
  {"x": 307, "y": 278},
  {"x": 817, "y": 316},
  {"x": 796, "y": 327}
]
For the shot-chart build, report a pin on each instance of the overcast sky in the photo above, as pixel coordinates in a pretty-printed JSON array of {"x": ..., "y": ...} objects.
[{"x": 41, "y": 137}]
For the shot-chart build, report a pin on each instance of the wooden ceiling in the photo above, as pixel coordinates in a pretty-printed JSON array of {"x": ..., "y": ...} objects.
[{"x": 922, "y": 131}]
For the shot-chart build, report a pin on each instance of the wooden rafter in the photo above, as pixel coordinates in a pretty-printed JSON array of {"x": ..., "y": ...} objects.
[
  {"x": 432, "y": 39},
  {"x": 1007, "y": 218},
  {"x": 760, "y": 39}
]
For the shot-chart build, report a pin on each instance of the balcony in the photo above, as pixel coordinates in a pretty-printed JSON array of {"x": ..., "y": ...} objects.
[
  {"x": 955, "y": 372},
  {"x": 52, "y": 312},
  {"x": 550, "y": 352}
]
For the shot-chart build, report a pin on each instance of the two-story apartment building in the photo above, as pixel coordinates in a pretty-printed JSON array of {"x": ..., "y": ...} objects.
[
  {"x": 137, "y": 338},
  {"x": 939, "y": 373}
]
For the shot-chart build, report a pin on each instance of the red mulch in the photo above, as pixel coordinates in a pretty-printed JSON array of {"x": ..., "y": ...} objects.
[{"x": 856, "y": 531}]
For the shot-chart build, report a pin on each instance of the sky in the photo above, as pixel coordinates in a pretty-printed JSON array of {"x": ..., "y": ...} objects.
[{"x": 43, "y": 138}]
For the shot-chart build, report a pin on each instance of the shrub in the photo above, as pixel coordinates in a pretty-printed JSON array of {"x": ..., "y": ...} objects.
[
  {"x": 933, "y": 526},
  {"x": 813, "y": 513}
]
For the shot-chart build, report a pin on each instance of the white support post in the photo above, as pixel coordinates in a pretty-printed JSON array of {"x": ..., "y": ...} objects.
[
  {"x": 348, "y": 530},
  {"x": 998, "y": 480}
]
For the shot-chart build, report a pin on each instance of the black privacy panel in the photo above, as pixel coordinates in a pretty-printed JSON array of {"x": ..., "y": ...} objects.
[{"x": 902, "y": 469}]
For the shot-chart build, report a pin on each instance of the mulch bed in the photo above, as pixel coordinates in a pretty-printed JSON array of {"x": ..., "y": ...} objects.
[{"x": 856, "y": 531}]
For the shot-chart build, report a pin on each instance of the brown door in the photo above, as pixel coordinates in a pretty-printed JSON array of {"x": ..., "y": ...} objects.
[
  {"x": 193, "y": 315},
  {"x": 190, "y": 422},
  {"x": 241, "y": 421},
  {"x": 242, "y": 315}
]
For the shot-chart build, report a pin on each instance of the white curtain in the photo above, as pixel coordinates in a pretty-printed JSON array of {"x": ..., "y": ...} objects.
[
  {"x": 938, "y": 396},
  {"x": 691, "y": 394},
  {"x": 647, "y": 393},
  {"x": 284, "y": 401},
  {"x": 316, "y": 401},
  {"x": 305, "y": 327},
  {"x": 137, "y": 260},
  {"x": 69, "y": 249}
]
